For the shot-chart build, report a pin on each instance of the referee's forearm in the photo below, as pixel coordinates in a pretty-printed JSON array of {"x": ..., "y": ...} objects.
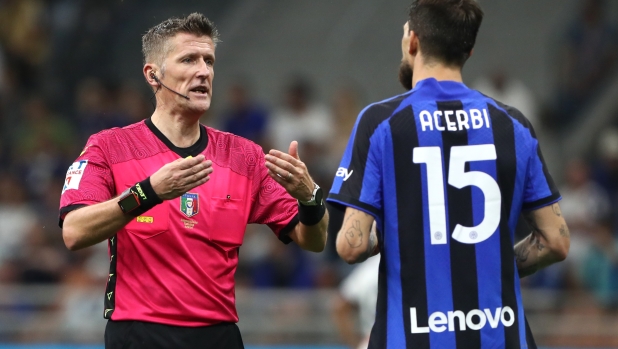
[
  {"x": 90, "y": 225},
  {"x": 311, "y": 237}
]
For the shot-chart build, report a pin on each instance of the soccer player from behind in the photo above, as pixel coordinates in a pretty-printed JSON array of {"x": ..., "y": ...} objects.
[
  {"x": 173, "y": 198},
  {"x": 445, "y": 171}
]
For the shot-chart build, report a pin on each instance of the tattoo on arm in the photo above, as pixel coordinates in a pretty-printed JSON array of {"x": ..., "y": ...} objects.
[
  {"x": 564, "y": 231},
  {"x": 354, "y": 235},
  {"x": 522, "y": 251}
]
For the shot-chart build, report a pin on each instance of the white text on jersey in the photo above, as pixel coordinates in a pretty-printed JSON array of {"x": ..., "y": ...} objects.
[
  {"x": 475, "y": 320},
  {"x": 343, "y": 172},
  {"x": 456, "y": 120}
]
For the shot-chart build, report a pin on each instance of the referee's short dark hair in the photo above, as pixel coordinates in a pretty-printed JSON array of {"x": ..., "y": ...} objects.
[
  {"x": 155, "y": 43},
  {"x": 446, "y": 29}
]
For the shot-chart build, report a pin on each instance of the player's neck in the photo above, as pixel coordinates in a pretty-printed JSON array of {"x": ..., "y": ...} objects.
[
  {"x": 437, "y": 71},
  {"x": 183, "y": 131}
]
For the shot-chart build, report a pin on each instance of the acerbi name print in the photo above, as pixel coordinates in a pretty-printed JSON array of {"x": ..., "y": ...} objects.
[
  {"x": 475, "y": 320},
  {"x": 456, "y": 120}
]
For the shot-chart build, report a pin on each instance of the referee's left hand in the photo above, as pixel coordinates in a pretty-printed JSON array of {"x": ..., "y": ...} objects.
[{"x": 290, "y": 172}]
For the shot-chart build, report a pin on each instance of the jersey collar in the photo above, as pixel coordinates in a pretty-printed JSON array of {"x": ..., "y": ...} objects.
[{"x": 193, "y": 150}]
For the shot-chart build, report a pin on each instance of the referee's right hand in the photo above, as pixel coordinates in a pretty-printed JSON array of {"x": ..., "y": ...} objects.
[{"x": 180, "y": 176}]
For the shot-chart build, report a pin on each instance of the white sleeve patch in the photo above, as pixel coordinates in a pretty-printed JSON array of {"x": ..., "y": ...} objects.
[{"x": 74, "y": 175}]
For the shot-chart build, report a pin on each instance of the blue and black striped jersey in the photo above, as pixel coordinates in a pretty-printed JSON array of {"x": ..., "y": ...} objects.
[{"x": 445, "y": 171}]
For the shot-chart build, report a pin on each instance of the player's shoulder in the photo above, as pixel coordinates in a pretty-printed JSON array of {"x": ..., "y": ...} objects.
[
  {"x": 384, "y": 108},
  {"x": 376, "y": 113},
  {"x": 517, "y": 116},
  {"x": 112, "y": 135},
  {"x": 237, "y": 153},
  {"x": 225, "y": 139}
]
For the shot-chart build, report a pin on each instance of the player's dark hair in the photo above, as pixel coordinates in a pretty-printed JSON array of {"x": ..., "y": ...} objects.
[
  {"x": 155, "y": 41},
  {"x": 446, "y": 29}
]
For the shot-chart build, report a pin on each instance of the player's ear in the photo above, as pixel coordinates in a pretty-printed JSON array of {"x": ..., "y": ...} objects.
[{"x": 413, "y": 44}]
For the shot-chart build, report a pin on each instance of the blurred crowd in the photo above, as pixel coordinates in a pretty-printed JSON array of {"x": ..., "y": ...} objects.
[{"x": 53, "y": 96}]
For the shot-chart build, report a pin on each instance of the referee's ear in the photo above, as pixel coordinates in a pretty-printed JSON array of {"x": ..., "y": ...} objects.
[{"x": 336, "y": 213}]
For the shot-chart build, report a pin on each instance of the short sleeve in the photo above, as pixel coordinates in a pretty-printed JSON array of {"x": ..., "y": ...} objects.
[
  {"x": 88, "y": 180},
  {"x": 358, "y": 181},
  {"x": 539, "y": 189},
  {"x": 272, "y": 204}
]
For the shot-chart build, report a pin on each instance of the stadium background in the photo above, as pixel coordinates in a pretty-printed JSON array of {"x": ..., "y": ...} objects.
[{"x": 69, "y": 68}]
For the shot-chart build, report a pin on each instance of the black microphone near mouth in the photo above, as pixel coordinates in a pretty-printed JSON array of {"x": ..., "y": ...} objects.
[{"x": 160, "y": 83}]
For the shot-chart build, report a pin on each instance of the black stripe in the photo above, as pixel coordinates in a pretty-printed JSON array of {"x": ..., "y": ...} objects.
[
  {"x": 411, "y": 233},
  {"x": 354, "y": 202},
  {"x": 65, "y": 210},
  {"x": 369, "y": 121},
  {"x": 463, "y": 256},
  {"x": 517, "y": 115},
  {"x": 193, "y": 150},
  {"x": 284, "y": 234},
  {"x": 110, "y": 290},
  {"x": 506, "y": 166},
  {"x": 377, "y": 340},
  {"x": 529, "y": 338}
]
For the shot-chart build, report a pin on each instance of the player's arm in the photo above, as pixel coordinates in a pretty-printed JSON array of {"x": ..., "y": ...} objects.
[
  {"x": 357, "y": 239},
  {"x": 92, "y": 224},
  {"x": 548, "y": 242},
  {"x": 292, "y": 174}
]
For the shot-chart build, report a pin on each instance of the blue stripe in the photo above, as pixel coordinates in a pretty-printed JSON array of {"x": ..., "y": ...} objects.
[
  {"x": 395, "y": 332},
  {"x": 437, "y": 257},
  {"x": 488, "y": 269}
]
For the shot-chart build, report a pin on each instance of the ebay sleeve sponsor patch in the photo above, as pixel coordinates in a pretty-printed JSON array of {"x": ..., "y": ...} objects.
[{"x": 74, "y": 175}]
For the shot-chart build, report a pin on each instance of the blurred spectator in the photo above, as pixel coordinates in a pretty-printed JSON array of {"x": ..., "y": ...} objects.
[
  {"x": 606, "y": 169},
  {"x": 599, "y": 270},
  {"x": 589, "y": 55},
  {"x": 301, "y": 119},
  {"x": 244, "y": 116},
  {"x": 308, "y": 122},
  {"x": 357, "y": 299},
  {"x": 510, "y": 91},
  {"x": 24, "y": 34},
  {"x": 346, "y": 105},
  {"x": 17, "y": 219},
  {"x": 2, "y": 71},
  {"x": 585, "y": 206},
  {"x": 131, "y": 105},
  {"x": 42, "y": 142},
  {"x": 94, "y": 109},
  {"x": 39, "y": 260}
]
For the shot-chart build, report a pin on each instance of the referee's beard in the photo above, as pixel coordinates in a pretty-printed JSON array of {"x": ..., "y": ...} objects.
[{"x": 405, "y": 75}]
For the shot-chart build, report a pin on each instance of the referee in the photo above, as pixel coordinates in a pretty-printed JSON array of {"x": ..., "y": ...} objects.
[
  {"x": 173, "y": 197},
  {"x": 445, "y": 172}
]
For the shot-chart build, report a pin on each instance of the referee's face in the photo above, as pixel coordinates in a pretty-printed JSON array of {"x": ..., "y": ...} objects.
[{"x": 189, "y": 70}]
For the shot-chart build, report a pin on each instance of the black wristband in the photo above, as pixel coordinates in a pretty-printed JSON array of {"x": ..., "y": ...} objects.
[
  {"x": 311, "y": 215},
  {"x": 147, "y": 197}
]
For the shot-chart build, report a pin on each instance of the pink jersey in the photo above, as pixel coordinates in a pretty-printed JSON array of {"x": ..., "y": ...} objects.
[{"x": 175, "y": 264}]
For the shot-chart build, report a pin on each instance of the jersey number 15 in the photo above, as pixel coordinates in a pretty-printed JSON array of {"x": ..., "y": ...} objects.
[{"x": 459, "y": 178}]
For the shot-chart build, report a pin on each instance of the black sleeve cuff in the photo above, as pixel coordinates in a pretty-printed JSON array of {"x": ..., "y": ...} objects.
[
  {"x": 65, "y": 210},
  {"x": 284, "y": 234}
]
